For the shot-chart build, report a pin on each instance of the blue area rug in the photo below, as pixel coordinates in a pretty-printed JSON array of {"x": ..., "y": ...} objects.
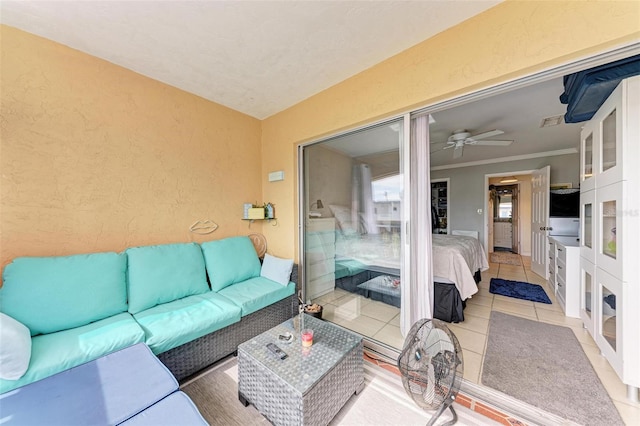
[{"x": 519, "y": 290}]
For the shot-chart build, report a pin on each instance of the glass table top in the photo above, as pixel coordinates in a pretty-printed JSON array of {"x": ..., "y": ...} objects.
[{"x": 303, "y": 367}]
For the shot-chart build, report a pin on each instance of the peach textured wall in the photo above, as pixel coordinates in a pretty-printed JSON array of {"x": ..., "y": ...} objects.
[
  {"x": 510, "y": 40},
  {"x": 95, "y": 157}
]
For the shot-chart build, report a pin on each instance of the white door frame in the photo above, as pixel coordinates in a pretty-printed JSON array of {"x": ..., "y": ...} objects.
[{"x": 487, "y": 213}]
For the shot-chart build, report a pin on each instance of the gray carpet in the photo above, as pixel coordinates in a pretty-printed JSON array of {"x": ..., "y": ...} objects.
[
  {"x": 216, "y": 396},
  {"x": 545, "y": 366}
]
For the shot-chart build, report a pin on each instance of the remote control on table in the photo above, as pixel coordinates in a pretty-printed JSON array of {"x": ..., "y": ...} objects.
[{"x": 276, "y": 351}]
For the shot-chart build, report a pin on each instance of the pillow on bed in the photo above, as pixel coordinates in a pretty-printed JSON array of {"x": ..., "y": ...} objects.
[{"x": 343, "y": 217}]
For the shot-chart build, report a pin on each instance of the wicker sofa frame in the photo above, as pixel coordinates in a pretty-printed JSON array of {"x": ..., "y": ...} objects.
[{"x": 186, "y": 360}]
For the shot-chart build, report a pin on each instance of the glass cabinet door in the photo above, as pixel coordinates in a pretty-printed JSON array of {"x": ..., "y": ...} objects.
[
  {"x": 587, "y": 280},
  {"x": 610, "y": 235},
  {"x": 609, "y": 142},
  {"x": 609, "y": 318},
  {"x": 588, "y": 225},
  {"x": 587, "y": 152}
]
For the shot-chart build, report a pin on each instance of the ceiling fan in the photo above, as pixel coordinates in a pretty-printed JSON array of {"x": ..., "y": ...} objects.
[{"x": 462, "y": 137}]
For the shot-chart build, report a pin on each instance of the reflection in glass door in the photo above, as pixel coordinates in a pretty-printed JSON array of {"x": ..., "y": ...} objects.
[{"x": 352, "y": 205}]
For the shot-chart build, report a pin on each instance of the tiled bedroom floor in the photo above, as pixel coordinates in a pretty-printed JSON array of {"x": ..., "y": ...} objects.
[{"x": 382, "y": 322}]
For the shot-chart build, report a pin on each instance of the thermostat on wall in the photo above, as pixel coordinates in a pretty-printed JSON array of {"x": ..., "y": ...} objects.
[{"x": 276, "y": 176}]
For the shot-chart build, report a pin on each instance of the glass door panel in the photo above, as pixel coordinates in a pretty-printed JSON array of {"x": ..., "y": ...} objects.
[
  {"x": 353, "y": 205},
  {"x": 609, "y": 229},
  {"x": 588, "y": 225},
  {"x": 588, "y": 138},
  {"x": 588, "y": 157},
  {"x": 609, "y": 141},
  {"x": 608, "y": 318},
  {"x": 587, "y": 294}
]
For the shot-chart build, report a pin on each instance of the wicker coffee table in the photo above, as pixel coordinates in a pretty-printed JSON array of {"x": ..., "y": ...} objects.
[{"x": 312, "y": 384}]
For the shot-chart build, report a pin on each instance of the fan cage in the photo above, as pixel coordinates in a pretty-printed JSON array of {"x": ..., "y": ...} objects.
[{"x": 431, "y": 364}]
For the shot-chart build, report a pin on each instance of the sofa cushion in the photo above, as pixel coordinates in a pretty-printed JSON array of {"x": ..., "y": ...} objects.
[
  {"x": 175, "y": 409},
  {"x": 106, "y": 391},
  {"x": 175, "y": 323},
  {"x": 256, "y": 293},
  {"x": 164, "y": 273},
  {"x": 55, "y": 352},
  {"x": 49, "y": 294},
  {"x": 276, "y": 269},
  {"x": 15, "y": 348},
  {"x": 230, "y": 260}
]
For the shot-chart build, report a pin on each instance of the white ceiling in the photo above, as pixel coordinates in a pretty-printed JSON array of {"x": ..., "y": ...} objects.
[
  {"x": 518, "y": 113},
  {"x": 257, "y": 57}
]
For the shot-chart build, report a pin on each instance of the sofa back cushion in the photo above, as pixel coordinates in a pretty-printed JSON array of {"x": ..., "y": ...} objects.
[
  {"x": 230, "y": 260},
  {"x": 164, "y": 273},
  {"x": 49, "y": 294}
]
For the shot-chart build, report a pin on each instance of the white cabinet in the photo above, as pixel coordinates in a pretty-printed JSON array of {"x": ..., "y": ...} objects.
[
  {"x": 564, "y": 260},
  {"x": 320, "y": 253},
  {"x": 502, "y": 234},
  {"x": 551, "y": 279},
  {"x": 609, "y": 250}
]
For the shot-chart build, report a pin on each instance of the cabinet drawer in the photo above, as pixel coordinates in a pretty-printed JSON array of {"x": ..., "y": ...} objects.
[
  {"x": 321, "y": 268},
  {"x": 320, "y": 239},
  {"x": 561, "y": 253},
  {"x": 561, "y": 289},
  {"x": 561, "y": 270}
]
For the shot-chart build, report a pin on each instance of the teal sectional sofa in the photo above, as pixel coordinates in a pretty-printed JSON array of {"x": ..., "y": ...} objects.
[{"x": 192, "y": 304}]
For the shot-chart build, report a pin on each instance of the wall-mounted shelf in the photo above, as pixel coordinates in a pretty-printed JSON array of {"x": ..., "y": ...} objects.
[{"x": 268, "y": 219}]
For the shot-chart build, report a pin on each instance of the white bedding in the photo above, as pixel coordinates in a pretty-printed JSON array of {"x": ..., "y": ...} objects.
[{"x": 455, "y": 258}]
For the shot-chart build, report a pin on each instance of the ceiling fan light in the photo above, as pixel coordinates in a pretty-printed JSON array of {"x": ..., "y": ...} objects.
[{"x": 508, "y": 179}]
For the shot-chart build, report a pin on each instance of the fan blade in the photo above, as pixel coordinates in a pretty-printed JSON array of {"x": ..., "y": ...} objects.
[
  {"x": 457, "y": 152},
  {"x": 494, "y": 143},
  {"x": 488, "y": 134}
]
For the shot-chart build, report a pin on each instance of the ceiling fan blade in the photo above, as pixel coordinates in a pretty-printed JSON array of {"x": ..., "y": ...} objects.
[
  {"x": 457, "y": 153},
  {"x": 488, "y": 134},
  {"x": 494, "y": 143}
]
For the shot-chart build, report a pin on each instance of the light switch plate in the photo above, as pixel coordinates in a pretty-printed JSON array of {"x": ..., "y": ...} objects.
[{"x": 276, "y": 176}]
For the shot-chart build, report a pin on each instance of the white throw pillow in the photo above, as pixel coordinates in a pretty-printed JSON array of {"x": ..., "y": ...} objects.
[
  {"x": 276, "y": 269},
  {"x": 15, "y": 351}
]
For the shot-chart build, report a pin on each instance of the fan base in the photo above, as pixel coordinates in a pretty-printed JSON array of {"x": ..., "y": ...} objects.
[{"x": 437, "y": 415}]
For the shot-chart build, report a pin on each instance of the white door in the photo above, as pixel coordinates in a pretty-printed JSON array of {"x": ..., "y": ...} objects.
[{"x": 540, "y": 220}]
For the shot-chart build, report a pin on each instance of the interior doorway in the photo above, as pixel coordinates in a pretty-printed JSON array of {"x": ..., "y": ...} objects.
[
  {"x": 508, "y": 212},
  {"x": 504, "y": 200}
]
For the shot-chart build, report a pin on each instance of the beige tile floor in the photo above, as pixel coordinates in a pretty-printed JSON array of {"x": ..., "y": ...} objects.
[{"x": 381, "y": 322}]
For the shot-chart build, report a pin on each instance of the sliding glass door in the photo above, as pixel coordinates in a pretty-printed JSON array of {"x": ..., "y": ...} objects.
[{"x": 352, "y": 206}]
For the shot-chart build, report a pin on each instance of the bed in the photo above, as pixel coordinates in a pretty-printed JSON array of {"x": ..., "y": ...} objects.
[{"x": 457, "y": 260}]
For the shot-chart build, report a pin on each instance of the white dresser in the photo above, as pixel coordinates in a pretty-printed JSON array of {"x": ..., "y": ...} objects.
[
  {"x": 320, "y": 253},
  {"x": 564, "y": 273}
]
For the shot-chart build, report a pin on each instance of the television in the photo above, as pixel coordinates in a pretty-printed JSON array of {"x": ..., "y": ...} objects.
[{"x": 564, "y": 203}]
